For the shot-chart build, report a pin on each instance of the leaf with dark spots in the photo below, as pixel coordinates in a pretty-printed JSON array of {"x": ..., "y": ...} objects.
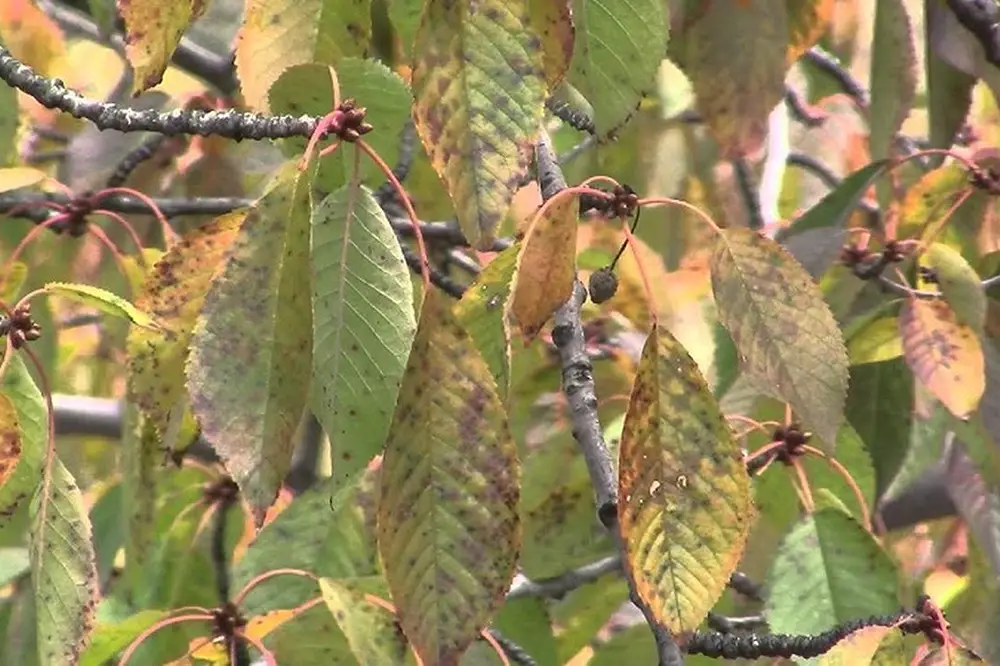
[
  {"x": 149, "y": 50},
  {"x": 448, "y": 525},
  {"x": 251, "y": 350},
  {"x": 467, "y": 56},
  {"x": 684, "y": 501},
  {"x": 24, "y": 425}
]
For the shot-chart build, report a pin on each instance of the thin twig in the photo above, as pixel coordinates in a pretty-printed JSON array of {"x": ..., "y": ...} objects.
[
  {"x": 748, "y": 192},
  {"x": 559, "y": 586}
]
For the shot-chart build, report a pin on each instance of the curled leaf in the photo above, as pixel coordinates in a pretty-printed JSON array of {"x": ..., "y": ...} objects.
[{"x": 103, "y": 300}]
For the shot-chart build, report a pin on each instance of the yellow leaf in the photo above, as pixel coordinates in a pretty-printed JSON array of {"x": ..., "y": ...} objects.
[
  {"x": 31, "y": 36},
  {"x": 14, "y": 178},
  {"x": 866, "y": 646},
  {"x": 944, "y": 355},
  {"x": 684, "y": 499},
  {"x": 876, "y": 341},
  {"x": 152, "y": 32},
  {"x": 10, "y": 439},
  {"x": 546, "y": 267},
  {"x": 808, "y": 20}
]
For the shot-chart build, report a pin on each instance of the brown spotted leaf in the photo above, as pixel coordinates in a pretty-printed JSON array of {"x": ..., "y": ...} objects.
[
  {"x": 868, "y": 646},
  {"x": 736, "y": 94},
  {"x": 152, "y": 32},
  {"x": 553, "y": 21},
  {"x": 277, "y": 34},
  {"x": 448, "y": 525},
  {"x": 479, "y": 88},
  {"x": 22, "y": 450},
  {"x": 370, "y": 630},
  {"x": 251, "y": 352},
  {"x": 788, "y": 341},
  {"x": 684, "y": 501},
  {"x": 945, "y": 356},
  {"x": 10, "y": 440},
  {"x": 808, "y": 20},
  {"x": 63, "y": 568},
  {"x": 546, "y": 267},
  {"x": 173, "y": 293}
]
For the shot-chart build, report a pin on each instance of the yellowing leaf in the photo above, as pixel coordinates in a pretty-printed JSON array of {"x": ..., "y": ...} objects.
[
  {"x": 946, "y": 356},
  {"x": 22, "y": 457},
  {"x": 277, "y": 34},
  {"x": 363, "y": 324},
  {"x": 808, "y": 20},
  {"x": 959, "y": 284},
  {"x": 152, "y": 32},
  {"x": 619, "y": 48},
  {"x": 867, "y": 646},
  {"x": 553, "y": 21},
  {"x": 370, "y": 630},
  {"x": 102, "y": 300},
  {"x": 877, "y": 341},
  {"x": 63, "y": 568},
  {"x": 479, "y": 88},
  {"x": 546, "y": 267},
  {"x": 684, "y": 499},
  {"x": 14, "y": 178},
  {"x": 11, "y": 283},
  {"x": 251, "y": 351},
  {"x": 10, "y": 439},
  {"x": 788, "y": 341},
  {"x": 481, "y": 310},
  {"x": 448, "y": 524},
  {"x": 257, "y": 627},
  {"x": 737, "y": 94},
  {"x": 173, "y": 293}
]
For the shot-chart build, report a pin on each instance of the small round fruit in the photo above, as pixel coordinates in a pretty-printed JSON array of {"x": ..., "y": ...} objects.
[{"x": 603, "y": 285}]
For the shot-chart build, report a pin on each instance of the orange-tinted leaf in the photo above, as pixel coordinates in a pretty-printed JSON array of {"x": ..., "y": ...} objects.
[
  {"x": 546, "y": 267},
  {"x": 152, "y": 32},
  {"x": 173, "y": 294},
  {"x": 684, "y": 499},
  {"x": 10, "y": 439},
  {"x": 808, "y": 20},
  {"x": 31, "y": 36},
  {"x": 737, "y": 94},
  {"x": 944, "y": 355},
  {"x": 448, "y": 525},
  {"x": 479, "y": 89}
]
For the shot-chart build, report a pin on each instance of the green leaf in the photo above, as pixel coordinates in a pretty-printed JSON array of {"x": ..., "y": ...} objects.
[
  {"x": 526, "y": 621},
  {"x": 152, "y": 32},
  {"x": 448, "y": 525},
  {"x": 312, "y": 638},
  {"x": 829, "y": 570},
  {"x": 789, "y": 342},
  {"x": 893, "y": 82},
  {"x": 102, "y": 300},
  {"x": 334, "y": 532},
  {"x": 14, "y": 563},
  {"x": 684, "y": 500},
  {"x": 278, "y": 34},
  {"x": 949, "y": 90},
  {"x": 876, "y": 341},
  {"x": 363, "y": 324},
  {"x": 11, "y": 283},
  {"x": 110, "y": 639},
  {"x": 63, "y": 570},
  {"x": 173, "y": 292},
  {"x": 959, "y": 284},
  {"x": 584, "y": 611},
  {"x": 9, "y": 118},
  {"x": 251, "y": 352},
  {"x": 481, "y": 310},
  {"x": 836, "y": 207},
  {"x": 880, "y": 407},
  {"x": 479, "y": 89},
  {"x": 385, "y": 97},
  {"x": 405, "y": 17},
  {"x": 142, "y": 481},
  {"x": 618, "y": 49},
  {"x": 107, "y": 520},
  {"x": 370, "y": 630},
  {"x": 19, "y": 480}
]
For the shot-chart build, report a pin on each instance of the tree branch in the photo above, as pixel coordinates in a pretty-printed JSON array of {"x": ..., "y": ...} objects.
[
  {"x": 578, "y": 386},
  {"x": 982, "y": 19},
  {"x": 53, "y": 94}
]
